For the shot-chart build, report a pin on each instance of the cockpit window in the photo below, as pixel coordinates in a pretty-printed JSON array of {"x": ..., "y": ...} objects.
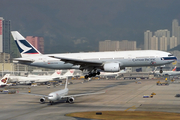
[
  {"x": 170, "y": 55},
  {"x": 50, "y": 96}
]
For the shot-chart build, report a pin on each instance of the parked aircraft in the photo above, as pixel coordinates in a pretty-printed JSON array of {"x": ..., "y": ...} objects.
[
  {"x": 61, "y": 94},
  {"x": 4, "y": 80},
  {"x": 168, "y": 73},
  {"x": 41, "y": 79},
  {"x": 112, "y": 61}
]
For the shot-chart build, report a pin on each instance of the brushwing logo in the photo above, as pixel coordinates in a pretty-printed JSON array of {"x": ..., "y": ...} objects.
[
  {"x": 25, "y": 47},
  {"x": 4, "y": 80}
]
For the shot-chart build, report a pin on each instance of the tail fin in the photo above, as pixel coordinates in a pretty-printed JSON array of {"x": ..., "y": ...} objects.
[
  {"x": 69, "y": 72},
  {"x": 174, "y": 69},
  {"x": 4, "y": 79},
  {"x": 57, "y": 73},
  {"x": 25, "y": 48},
  {"x": 66, "y": 82}
]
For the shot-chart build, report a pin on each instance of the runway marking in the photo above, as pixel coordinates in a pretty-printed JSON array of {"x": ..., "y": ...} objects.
[{"x": 133, "y": 107}]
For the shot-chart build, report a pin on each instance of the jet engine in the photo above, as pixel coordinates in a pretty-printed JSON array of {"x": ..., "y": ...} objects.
[
  {"x": 111, "y": 67},
  {"x": 42, "y": 100},
  {"x": 71, "y": 100}
]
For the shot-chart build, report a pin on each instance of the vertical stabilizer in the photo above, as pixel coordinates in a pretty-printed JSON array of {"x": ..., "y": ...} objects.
[
  {"x": 174, "y": 69},
  {"x": 66, "y": 82},
  {"x": 25, "y": 48},
  {"x": 69, "y": 73},
  {"x": 57, "y": 73},
  {"x": 4, "y": 79}
]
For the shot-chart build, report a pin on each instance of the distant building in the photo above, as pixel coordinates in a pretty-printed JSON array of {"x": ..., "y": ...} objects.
[
  {"x": 4, "y": 58},
  {"x": 163, "y": 43},
  {"x": 127, "y": 45},
  {"x": 37, "y": 42},
  {"x": 109, "y": 45},
  {"x": 147, "y": 39},
  {"x": 163, "y": 33},
  {"x": 176, "y": 30},
  {"x": 5, "y": 35},
  {"x": 173, "y": 42},
  {"x": 154, "y": 43}
]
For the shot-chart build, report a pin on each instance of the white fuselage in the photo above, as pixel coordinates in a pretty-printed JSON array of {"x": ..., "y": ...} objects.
[
  {"x": 125, "y": 58},
  {"x": 56, "y": 96},
  {"x": 31, "y": 79},
  {"x": 169, "y": 73}
]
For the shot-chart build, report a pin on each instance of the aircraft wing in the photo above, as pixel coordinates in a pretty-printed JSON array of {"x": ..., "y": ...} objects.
[
  {"x": 32, "y": 94},
  {"x": 77, "y": 95},
  {"x": 79, "y": 61}
]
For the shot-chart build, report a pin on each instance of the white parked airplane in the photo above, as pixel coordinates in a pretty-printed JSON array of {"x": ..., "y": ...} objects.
[
  {"x": 112, "y": 61},
  {"x": 4, "y": 80},
  {"x": 168, "y": 73},
  {"x": 41, "y": 79},
  {"x": 60, "y": 94}
]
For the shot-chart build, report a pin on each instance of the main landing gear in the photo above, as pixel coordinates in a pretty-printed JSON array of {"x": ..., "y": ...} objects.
[
  {"x": 160, "y": 71},
  {"x": 92, "y": 74}
]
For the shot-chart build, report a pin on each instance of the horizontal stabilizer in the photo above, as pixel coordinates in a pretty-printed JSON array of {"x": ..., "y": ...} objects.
[{"x": 22, "y": 60}]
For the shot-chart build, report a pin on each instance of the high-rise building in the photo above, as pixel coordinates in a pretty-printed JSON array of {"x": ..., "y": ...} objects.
[
  {"x": 5, "y": 35},
  {"x": 176, "y": 30},
  {"x": 154, "y": 43},
  {"x": 108, "y": 45},
  {"x": 147, "y": 39},
  {"x": 161, "y": 33},
  {"x": 173, "y": 42},
  {"x": 127, "y": 45},
  {"x": 37, "y": 42},
  {"x": 163, "y": 43}
]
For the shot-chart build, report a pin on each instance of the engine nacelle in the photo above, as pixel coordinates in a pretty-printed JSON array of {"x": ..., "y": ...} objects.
[
  {"x": 42, "y": 100},
  {"x": 111, "y": 67},
  {"x": 71, "y": 100}
]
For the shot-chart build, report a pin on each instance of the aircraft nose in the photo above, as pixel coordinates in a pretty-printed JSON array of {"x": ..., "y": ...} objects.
[{"x": 50, "y": 97}]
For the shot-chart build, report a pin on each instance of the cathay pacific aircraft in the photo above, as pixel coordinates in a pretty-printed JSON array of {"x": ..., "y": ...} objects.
[{"x": 112, "y": 61}]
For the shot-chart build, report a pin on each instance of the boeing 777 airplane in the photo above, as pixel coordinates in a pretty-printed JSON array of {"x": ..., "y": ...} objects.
[
  {"x": 112, "y": 61},
  {"x": 60, "y": 94}
]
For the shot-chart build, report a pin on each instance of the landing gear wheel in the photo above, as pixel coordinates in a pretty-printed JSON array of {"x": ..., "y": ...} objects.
[
  {"x": 98, "y": 73},
  {"x": 161, "y": 71},
  {"x": 86, "y": 76},
  {"x": 93, "y": 74},
  {"x": 51, "y": 102}
]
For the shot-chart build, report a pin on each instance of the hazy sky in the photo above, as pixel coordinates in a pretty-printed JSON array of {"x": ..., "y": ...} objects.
[{"x": 76, "y": 23}]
